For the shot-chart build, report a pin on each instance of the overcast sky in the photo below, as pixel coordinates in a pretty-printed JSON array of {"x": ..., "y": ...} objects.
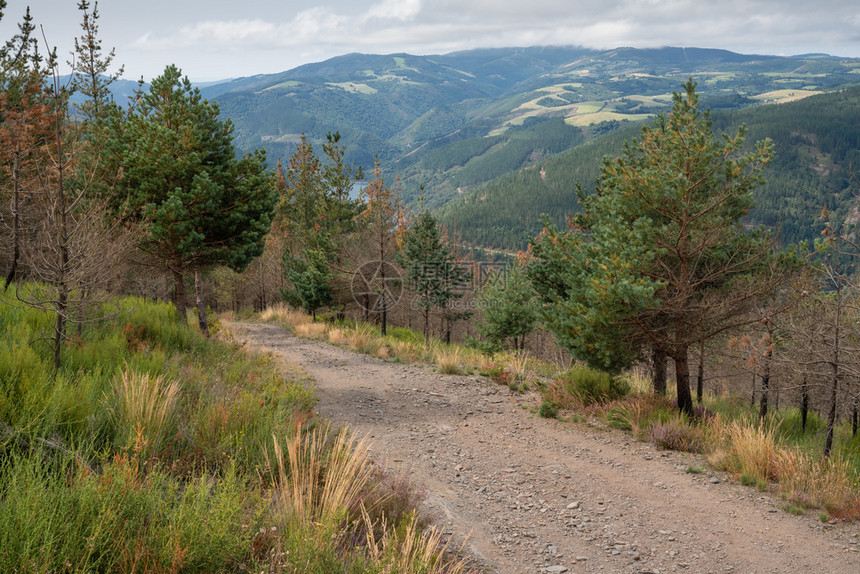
[{"x": 219, "y": 39}]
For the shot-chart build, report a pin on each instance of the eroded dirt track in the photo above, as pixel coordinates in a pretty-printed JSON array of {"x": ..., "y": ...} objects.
[{"x": 544, "y": 496}]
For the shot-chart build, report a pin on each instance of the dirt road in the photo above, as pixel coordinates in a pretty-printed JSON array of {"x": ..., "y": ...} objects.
[{"x": 542, "y": 496}]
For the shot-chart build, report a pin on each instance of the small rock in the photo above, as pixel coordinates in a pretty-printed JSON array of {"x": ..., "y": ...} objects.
[
  {"x": 714, "y": 480},
  {"x": 581, "y": 558},
  {"x": 573, "y": 505},
  {"x": 555, "y": 569}
]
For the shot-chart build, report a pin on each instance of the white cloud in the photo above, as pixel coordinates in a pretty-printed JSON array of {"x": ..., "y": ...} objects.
[
  {"x": 313, "y": 26},
  {"x": 258, "y": 36},
  {"x": 402, "y": 10}
]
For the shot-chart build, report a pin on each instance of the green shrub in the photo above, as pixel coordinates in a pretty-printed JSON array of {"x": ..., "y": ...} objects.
[
  {"x": 548, "y": 410},
  {"x": 589, "y": 386}
]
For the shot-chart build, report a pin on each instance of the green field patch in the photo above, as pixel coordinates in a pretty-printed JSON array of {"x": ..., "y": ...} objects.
[
  {"x": 582, "y": 120},
  {"x": 401, "y": 79},
  {"x": 651, "y": 100},
  {"x": 782, "y": 96},
  {"x": 589, "y": 107},
  {"x": 283, "y": 85},
  {"x": 354, "y": 87},
  {"x": 401, "y": 64}
]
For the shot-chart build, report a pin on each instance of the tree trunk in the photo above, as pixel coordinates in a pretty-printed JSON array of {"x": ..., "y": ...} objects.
[
  {"x": 384, "y": 325},
  {"x": 700, "y": 375},
  {"x": 775, "y": 396},
  {"x": 658, "y": 371},
  {"x": 682, "y": 382},
  {"x": 752, "y": 396},
  {"x": 765, "y": 382},
  {"x": 60, "y": 326},
  {"x": 16, "y": 226},
  {"x": 179, "y": 297},
  {"x": 831, "y": 414},
  {"x": 854, "y": 421},
  {"x": 63, "y": 249},
  {"x": 426, "y": 328},
  {"x": 804, "y": 403},
  {"x": 834, "y": 375},
  {"x": 201, "y": 303}
]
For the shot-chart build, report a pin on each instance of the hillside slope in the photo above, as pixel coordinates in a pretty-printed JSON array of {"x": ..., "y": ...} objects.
[
  {"x": 817, "y": 143},
  {"x": 401, "y": 107}
]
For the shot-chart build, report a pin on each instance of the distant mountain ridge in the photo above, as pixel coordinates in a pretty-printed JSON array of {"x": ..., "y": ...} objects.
[
  {"x": 390, "y": 105},
  {"x": 471, "y": 124}
]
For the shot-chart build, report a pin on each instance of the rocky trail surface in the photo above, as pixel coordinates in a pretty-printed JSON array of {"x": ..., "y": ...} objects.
[{"x": 543, "y": 496}]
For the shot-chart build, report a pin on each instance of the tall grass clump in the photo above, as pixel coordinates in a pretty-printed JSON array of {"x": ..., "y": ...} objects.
[
  {"x": 321, "y": 489},
  {"x": 450, "y": 360},
  {"x": 637, "y": 413},
  {"x": 144, "y": 408}
]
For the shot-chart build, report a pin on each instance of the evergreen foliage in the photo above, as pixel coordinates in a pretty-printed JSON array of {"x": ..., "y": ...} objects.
[
  {"x": 509, "y": 308},
  {"x": 431, "y": 270},
  {"x": 658, "y": 253},
  {"x": 193, "y": 203},
  {"x": 315, "y": 215}
]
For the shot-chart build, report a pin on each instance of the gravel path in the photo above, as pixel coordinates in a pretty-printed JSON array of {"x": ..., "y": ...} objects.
[{"x": 542, "y": 496}]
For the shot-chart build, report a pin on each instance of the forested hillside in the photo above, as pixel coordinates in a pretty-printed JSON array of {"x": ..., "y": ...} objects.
[
  {"x": 816, "y": 139},
  {"x": 445, "y": 124}
]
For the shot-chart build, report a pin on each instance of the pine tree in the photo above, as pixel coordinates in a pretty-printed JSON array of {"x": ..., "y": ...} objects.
[
  {"x": 316, "y": 215},
  {"x": 659, "y": 255},
  {"x": 427, "y": 262},
  {"x": 92, "y": 78},
  {"x": 193, "y": 204},
  {"x": 509, "y": 308}
]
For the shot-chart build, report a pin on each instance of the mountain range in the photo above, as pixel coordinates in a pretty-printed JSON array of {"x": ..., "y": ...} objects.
[{"x": 460, "y": 127}]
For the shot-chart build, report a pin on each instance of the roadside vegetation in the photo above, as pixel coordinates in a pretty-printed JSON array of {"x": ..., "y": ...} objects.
[
  {"x": 777, "y": 454},
  {"x": 154, "y": 449}
]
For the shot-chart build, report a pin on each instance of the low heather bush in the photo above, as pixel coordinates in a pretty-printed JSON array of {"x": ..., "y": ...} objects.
[{"x": 675, "y": 435}]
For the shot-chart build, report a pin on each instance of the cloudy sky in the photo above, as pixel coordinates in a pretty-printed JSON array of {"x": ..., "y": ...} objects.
[{"x": 219, "y": 39}]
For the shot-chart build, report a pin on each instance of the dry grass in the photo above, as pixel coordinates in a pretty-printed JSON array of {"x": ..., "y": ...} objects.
[
  {"x": 338, "y": 336},
  {"x": 407, "y": 351},
  {"x": 744, "y": 449},
  {"x": 637, "y": 412},
  {"x": 827, "y": 483},
  {"x": 317, "y": 481},
  {"x": 144, "y": 408},
  {"x": 411, "y": 552},
  {"x": 286, "y": 315},
  {"x": 311, "y": 330},
  {"x": 449, "y": 360},
  {"x": 517, "y": 364},
  {"x": 364, "y": 339},
  {"x": 640, "y": 381},
  {"x": 319, "y": 478},
  {"x": 752, "y": 451}
]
